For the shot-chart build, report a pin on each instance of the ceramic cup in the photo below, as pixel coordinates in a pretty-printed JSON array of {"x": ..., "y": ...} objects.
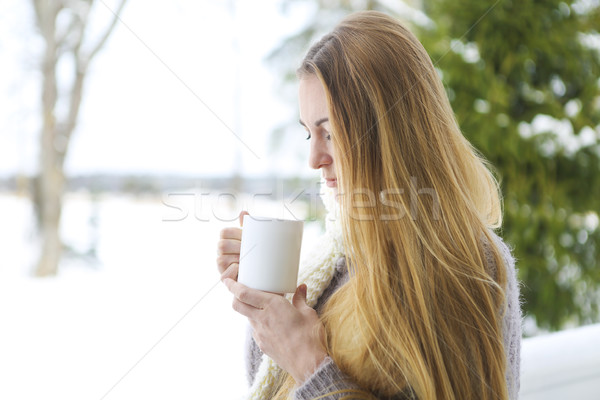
[{"x": 270, "y": 254}]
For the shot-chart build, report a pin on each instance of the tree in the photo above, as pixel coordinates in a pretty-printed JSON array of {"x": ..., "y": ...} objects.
[
  {"x": 64, "y": 26},
  {"x": 522, "y": 78}
]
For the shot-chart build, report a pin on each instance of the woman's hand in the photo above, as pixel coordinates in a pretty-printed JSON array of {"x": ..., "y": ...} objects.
[
  {"x": 290, "y": 333},
  {"x": 228, "y": 250}
]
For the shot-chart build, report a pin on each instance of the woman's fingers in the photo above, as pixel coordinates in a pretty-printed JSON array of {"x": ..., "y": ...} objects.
[
  {"x": 231, "y": 272},
  {"x": 244, "y": 309},
  {"x": 228, "y": 249},
  {"x": 253, "y": 298},
  {"x": 228, "y": 246},
  {"x": 226, "y": 260},
  {"x": 231, "y": 233}
]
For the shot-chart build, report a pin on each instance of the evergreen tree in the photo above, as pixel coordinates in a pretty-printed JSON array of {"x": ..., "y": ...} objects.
[{"x": 523, "y": 80}]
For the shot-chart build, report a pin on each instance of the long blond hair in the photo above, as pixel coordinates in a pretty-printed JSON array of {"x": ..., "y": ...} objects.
[{"x": 422, "y": 312}]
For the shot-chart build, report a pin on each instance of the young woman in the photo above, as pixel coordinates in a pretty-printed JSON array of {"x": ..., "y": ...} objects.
[{"x": 410, "y": 294}]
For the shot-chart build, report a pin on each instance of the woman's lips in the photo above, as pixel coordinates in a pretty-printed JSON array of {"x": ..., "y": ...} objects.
[{"x": 331, "y": 182}]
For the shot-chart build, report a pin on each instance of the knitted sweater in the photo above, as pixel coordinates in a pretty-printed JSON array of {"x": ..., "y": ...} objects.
[{"x": 328, "y": 377}]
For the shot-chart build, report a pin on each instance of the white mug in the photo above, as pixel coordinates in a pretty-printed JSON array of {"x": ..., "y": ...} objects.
[{"x": 270, "y": 254}]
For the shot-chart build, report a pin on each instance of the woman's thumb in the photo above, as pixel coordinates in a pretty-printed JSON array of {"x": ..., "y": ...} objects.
[
  {"x": 299, "y": 298},
  {"x": 241, "y": 217}
]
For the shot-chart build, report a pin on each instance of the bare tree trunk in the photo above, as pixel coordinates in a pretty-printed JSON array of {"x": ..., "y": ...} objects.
[{"x": 49, "y": 184}]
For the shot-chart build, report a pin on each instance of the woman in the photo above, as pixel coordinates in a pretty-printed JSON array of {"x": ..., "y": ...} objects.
[{"x": 412, "y": 295}]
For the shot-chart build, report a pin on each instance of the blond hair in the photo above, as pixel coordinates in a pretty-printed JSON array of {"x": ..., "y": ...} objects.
[{"x": 422, "y": 312}]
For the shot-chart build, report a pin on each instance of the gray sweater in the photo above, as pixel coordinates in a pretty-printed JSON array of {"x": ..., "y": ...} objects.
[{"x": 328, "y": 377}]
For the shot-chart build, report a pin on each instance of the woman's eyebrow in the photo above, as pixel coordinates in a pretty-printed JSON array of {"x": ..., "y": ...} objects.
[{"x": 317, "y": 123}]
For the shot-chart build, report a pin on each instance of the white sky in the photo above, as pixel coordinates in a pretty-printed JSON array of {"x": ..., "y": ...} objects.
[
  {"x": 137, "y": 115},
  {"x": 161, "y": 97}
]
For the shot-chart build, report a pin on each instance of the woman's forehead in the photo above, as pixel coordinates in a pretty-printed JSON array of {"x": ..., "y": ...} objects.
[{"x": 312, "y": 101}]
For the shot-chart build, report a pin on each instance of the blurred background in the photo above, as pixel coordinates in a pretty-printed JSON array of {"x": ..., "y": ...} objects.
[{"x": 132, "y": 131}]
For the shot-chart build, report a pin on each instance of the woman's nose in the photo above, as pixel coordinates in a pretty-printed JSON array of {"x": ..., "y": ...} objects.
[{"x": 319, "y": 154}]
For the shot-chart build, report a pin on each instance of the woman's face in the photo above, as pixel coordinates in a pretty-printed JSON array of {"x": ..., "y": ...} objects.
[{"x": 314, "y": 116}]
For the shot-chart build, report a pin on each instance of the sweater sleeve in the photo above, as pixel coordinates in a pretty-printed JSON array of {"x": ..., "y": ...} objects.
[
  {"x": 325, "y": 381},
  {"x": 253, "y": 356},
  {"x": 511, "y": 328}
]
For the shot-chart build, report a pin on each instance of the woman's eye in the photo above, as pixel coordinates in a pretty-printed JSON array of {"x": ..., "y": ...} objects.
[{"x": 327, "y": 136}]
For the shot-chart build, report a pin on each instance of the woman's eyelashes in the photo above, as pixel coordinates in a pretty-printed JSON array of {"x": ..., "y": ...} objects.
[{"x": 325, "y": 133}]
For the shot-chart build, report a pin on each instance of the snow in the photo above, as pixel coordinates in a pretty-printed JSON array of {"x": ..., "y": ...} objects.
[
  {"x": 150, "y": 319},
  {"x": 561, "y": 134},
  {"x": 561, "y": 365}
]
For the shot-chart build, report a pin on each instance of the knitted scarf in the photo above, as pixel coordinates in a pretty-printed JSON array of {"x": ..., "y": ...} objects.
[{"x": 316, "y": 271}]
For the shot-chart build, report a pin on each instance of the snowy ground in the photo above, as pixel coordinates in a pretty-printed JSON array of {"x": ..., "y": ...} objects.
[{"x": 149, "y": 320}]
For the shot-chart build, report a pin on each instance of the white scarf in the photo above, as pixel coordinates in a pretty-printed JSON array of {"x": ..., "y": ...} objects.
[{"x": 316, "y": 271}]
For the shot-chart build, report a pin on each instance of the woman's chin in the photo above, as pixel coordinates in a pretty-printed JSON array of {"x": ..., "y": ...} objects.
[{"x": 332, "y": 183}]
